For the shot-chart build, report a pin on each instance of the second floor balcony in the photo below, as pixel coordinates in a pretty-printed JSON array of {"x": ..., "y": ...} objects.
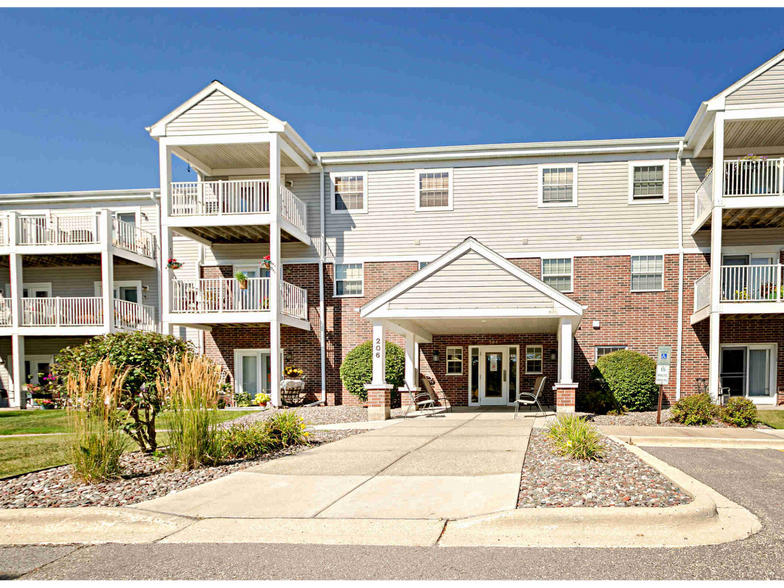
[
  {"x": 234, "y": 203},
  {"x": 744, "y": 289}
]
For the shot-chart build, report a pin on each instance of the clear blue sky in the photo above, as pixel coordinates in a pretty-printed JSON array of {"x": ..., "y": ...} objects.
[{"x": 81, "y": 85}]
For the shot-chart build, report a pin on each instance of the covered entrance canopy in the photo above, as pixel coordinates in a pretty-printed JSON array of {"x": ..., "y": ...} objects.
[{"x": 470, "y": 290}]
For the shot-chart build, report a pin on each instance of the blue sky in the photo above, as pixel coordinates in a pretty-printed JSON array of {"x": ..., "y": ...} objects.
[{"x": 81, "y": 85}]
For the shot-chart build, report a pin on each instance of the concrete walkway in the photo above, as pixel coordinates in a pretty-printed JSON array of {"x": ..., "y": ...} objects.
[
  {"x": 698, "y": 437},
  {"x": 452, "y": 465}
]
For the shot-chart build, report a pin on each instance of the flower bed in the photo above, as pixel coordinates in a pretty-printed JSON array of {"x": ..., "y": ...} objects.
[{"x": 619, "y": 479}]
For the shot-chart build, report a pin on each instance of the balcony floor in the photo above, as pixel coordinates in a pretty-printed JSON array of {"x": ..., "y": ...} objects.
[{"x": 239, "y": 234}]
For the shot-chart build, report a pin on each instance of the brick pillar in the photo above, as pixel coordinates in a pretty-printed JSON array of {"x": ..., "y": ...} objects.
[
  {"x": 379, "y": 400},
  {"x": 565, "y": 397},
  {"x": 405, "y": 397}
]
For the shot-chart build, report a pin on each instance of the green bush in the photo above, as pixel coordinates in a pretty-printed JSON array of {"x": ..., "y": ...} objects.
[
  {"x": 598, "y": 401},
  {"x": 576, "y": 438},
  {"x": 144, "y": 354},
  {"x": 740, "y": 412},
  {"x": 242, "y": 399},
  {"x": 357, "y": 369},
  {"x": 630, "y": 377},
  {"x": 286, "y": 428},
  {"x": 694, "y": 410},
  {"x": 244, "y": 441}
]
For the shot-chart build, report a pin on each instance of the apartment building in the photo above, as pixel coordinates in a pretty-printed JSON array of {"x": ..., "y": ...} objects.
[{"x": 489, "y": 264}]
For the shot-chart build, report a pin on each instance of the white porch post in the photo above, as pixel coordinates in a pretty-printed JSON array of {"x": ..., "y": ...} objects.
[
  {"x": 276, "y": 269},
  {"x": 18, "y": 371},
  {"x": 714, "y": 349},
  {"x": 565, "y": 352},
  {"x": 416, "y": 362},
  {"x": 411, "y": 361},
  {"x": 107, "y": 271},
  {"x": 165, "y": 159},
  {"x": 378, "y": 391},
  {"x": 380, "y": 353}
]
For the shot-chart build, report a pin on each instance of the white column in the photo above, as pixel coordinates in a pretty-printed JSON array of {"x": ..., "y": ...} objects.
[
  {"x": 165, "y": 158},
  {"x": 411, "y": 360},
  {"x": 379, "y": 353},
  {"x": 107, "y": 271},
  {"x": 17, "y": 289},
  {"x": 416, "y": 362},
  {"x": 714, "y": 349},
  {"x": 17, "y": 371},
  {"x": 565, "y": 352},
  {"x": 276, "y": 269}
]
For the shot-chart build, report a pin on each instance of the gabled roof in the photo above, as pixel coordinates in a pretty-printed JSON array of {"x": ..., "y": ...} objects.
[
  {"x": 527, "y": 281},
  {"x": 717, "y": 102}
]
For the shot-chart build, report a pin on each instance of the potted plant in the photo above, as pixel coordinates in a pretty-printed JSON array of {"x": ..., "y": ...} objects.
[
  {"x": 265, "y": 263},
  {"x": 46, "y": 403},
  {"x": 242, "y": 280},
  {"x": 173, "y": 264},
  {"x": 292, "y": 373},
  {"x": 262, "y": 399}
]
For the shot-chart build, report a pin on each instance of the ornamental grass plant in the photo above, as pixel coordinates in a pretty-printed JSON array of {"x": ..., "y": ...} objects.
[{"x": 575, "y": 437}]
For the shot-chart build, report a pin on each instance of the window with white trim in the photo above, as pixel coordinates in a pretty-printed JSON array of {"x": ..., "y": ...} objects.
[
  {"x": 648, "y": 181},
  {"x": 602, "y": 350},
  {"x": 647, "y": 273},
  {"x": 434, "y": 189},
  {"x": 533, "y": 359},
  {"x": 349, "y": 192},
  {"x": 558, "y": 185},
  {"x": 349, "y": 279},
  {"x": 557, "y": 273},
  {"x": 454, "y": 361}
]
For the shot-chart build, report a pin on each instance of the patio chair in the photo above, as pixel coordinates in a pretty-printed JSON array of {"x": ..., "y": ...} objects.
[
  {"x": 530, "y": 398},
  {"x": 442, "y": 399},
  {"x": 419, "y": 402}
]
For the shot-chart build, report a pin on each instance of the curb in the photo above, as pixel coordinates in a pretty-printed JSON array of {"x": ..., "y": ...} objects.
[{"x": 703, "y": 442}]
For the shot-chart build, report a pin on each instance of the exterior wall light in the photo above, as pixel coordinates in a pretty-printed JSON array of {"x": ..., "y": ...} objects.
[{"x": 435, "y": 355}]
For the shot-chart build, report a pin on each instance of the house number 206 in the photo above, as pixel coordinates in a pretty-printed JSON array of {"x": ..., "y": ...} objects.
[{"x": 378, "y": 347}]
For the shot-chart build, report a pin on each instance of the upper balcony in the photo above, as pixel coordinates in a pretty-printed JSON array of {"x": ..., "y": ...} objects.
[
  {"x": 745, "y": 289},
  {"x": 235, "y": 211},
  {"x": 76, "y": 233}
]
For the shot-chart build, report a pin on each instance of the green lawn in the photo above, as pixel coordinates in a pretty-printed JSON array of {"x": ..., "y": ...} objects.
[
  {"x": 22, "y": 422},
  {"x": 772, "y": 418},
  {"x": 19, "y": 455}
]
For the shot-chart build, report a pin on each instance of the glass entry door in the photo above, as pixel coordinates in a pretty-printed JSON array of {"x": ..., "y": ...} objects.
[
  {"x": 252, "y": 371},
  {"x": 750, "y": 371},
  {"x": 493, "y": 375}
]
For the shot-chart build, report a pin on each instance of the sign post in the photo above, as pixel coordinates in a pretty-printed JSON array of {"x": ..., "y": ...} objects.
[{"x": 662, "y": 374}]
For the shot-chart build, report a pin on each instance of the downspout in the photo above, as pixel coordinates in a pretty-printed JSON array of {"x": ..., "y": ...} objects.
[
  {"x": 680, "y": 271},
  {"x": 159, "y": 269},
  {"x": 322, "y": 309}
]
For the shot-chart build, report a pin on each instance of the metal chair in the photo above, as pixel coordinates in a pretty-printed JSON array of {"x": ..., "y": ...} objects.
[
  {"x": 442, "y": 399},
  {"x": 530, "y": 398},
  {"x": 419, "y": 402}
]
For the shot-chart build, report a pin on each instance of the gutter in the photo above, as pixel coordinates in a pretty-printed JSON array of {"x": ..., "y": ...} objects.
[
  {"x": 680, "y": 273},
  {"x": 158, "y": 252},
  {"x": 322, "y": 308}
]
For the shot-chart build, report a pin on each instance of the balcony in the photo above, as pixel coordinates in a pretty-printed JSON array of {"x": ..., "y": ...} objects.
[
  {"x": 210, "y": 205},
  {"x": 131, "y": 238},
  {"x": 79, "y": 314},
  {"x": 225, "y": 300},
  {"x": 744, "y": 289}
]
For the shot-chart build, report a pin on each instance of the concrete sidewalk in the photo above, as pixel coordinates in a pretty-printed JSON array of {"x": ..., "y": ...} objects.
[{"x": 697, "y": 437}]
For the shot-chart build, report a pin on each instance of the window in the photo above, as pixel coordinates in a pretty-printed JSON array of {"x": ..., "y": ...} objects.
[
  {"x": 557, "y": 273},
  {"x": 602, "y": 350},
  {"x": 454, "y": 361},
  {"x": 126, "y": 217},
  {"x": 349, "y": 192},
  {"x": 647, "y": 272},
  {"x": 648, "y": 182},
  {"x": 558, "y": 185},
  {"x": 434, "y": 189},
  {"x": 533, "y": 359},
  {"x": 349, "y": 279}
]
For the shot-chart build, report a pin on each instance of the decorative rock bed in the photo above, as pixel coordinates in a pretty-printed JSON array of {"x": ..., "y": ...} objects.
[
  {"x": 647, "y": 418},
  {"x": 619, "y": 479}
]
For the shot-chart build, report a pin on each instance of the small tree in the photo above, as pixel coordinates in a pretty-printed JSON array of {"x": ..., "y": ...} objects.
[
  {"x": 630, "y": 376},
  {"x": 143, "y": 354},
  {"x": 357, "y": 369}
]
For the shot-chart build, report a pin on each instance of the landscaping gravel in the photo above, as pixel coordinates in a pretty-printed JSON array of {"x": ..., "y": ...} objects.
[
  {"x": 647, "y": 418},
  {"x": 314, "y": 415},
  {"x": 144, "y": 478},
  {"x": 619, "y": 479}
]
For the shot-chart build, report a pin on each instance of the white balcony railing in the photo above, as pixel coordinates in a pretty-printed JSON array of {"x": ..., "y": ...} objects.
[
  {"x": 702, "y": 292},
  {"x": 133, "y": 317},
  {"x": 217, "y": 295},
  {"x": 751, "y": 283},
  {"x": 62, "y": 312},
  {"x": 6, "y": 318},
  {"x": 753, "y": 177},
  {"x": 235, "y": 197},
  {"x": 703, "y": 197},
  {"x": 132, "y": 238},
  {"x": 4, "y": 233},
  {"x": 58, "y": 230}
]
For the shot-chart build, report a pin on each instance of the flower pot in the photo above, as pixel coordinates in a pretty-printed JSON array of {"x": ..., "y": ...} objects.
[{"x": 243, "y": 285}]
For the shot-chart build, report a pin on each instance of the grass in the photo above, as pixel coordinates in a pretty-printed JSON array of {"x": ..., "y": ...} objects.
[
  {"x": 772, "y": 418},
  {"x": 26, "y": 422}
]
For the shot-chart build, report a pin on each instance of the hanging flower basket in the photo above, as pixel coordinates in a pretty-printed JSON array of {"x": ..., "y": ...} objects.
[
  {"x": 265, "y": 263},
  {"x": 242, "y": 280},
  {"x": 173, "y": 264}
]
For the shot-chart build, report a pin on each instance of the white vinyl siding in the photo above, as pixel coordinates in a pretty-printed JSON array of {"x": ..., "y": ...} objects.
[
  {"x": 648, "y": 181},
  {"x": 454, "y": 361},
  {"x": 602, "y": 350},
  {"x": 534, "y": 361},
  {"x": 647, "y": 273},
  {"x": 349, "y": 279},
  {"x": 434, "y": 189},
  {"x": 349, "y": 192},
  {"x": 217, "y": 113},
  {"x": 766, "y": 88},
  {"x": 558, "y": 185},
  {"x": 557, "y": 273}
]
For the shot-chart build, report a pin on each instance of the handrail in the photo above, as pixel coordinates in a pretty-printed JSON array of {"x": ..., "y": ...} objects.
[
  {"x": 58, "y": 230},
  {"x": 753, "y": 177},
  {"x": 220, "y": 197},
  {"x": 76, "y": 311},
  {"x": 751, "y": 283},
  {"x": 703, "y": 196},
  {"x": 133, "y": 316},
  {"x": 702, "y": 292},
  {"x": 293, "y": 209},
  {"x": 131, "y": 238}
]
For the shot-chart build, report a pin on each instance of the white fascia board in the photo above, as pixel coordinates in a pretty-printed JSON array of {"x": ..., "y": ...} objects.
[
  {"x": 218, "y": 139},
  {"x": 295, "y": 157},
  {"x": 474, "y": 313}
]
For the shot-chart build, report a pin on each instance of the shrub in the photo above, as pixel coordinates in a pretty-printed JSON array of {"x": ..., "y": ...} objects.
[
  {"x": 575, "y": 437},
  {"x": 97, "y": 440},
  {"x": 357, "y": 369},
  {"x": 144, "y": 354},
  {"x": 630, "y": 377},
  {"x": 244, "y": 441},
  {"x": 740, "y": 412},
  {"x": 221, "y": 403},
  {"x": 242, "y": 399},
  {"x": 694, "y": 410},
  {"x": 286, "y": 428},
  {"x": 598, "y": 401},
  {"x": 190, "y": 387}
]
